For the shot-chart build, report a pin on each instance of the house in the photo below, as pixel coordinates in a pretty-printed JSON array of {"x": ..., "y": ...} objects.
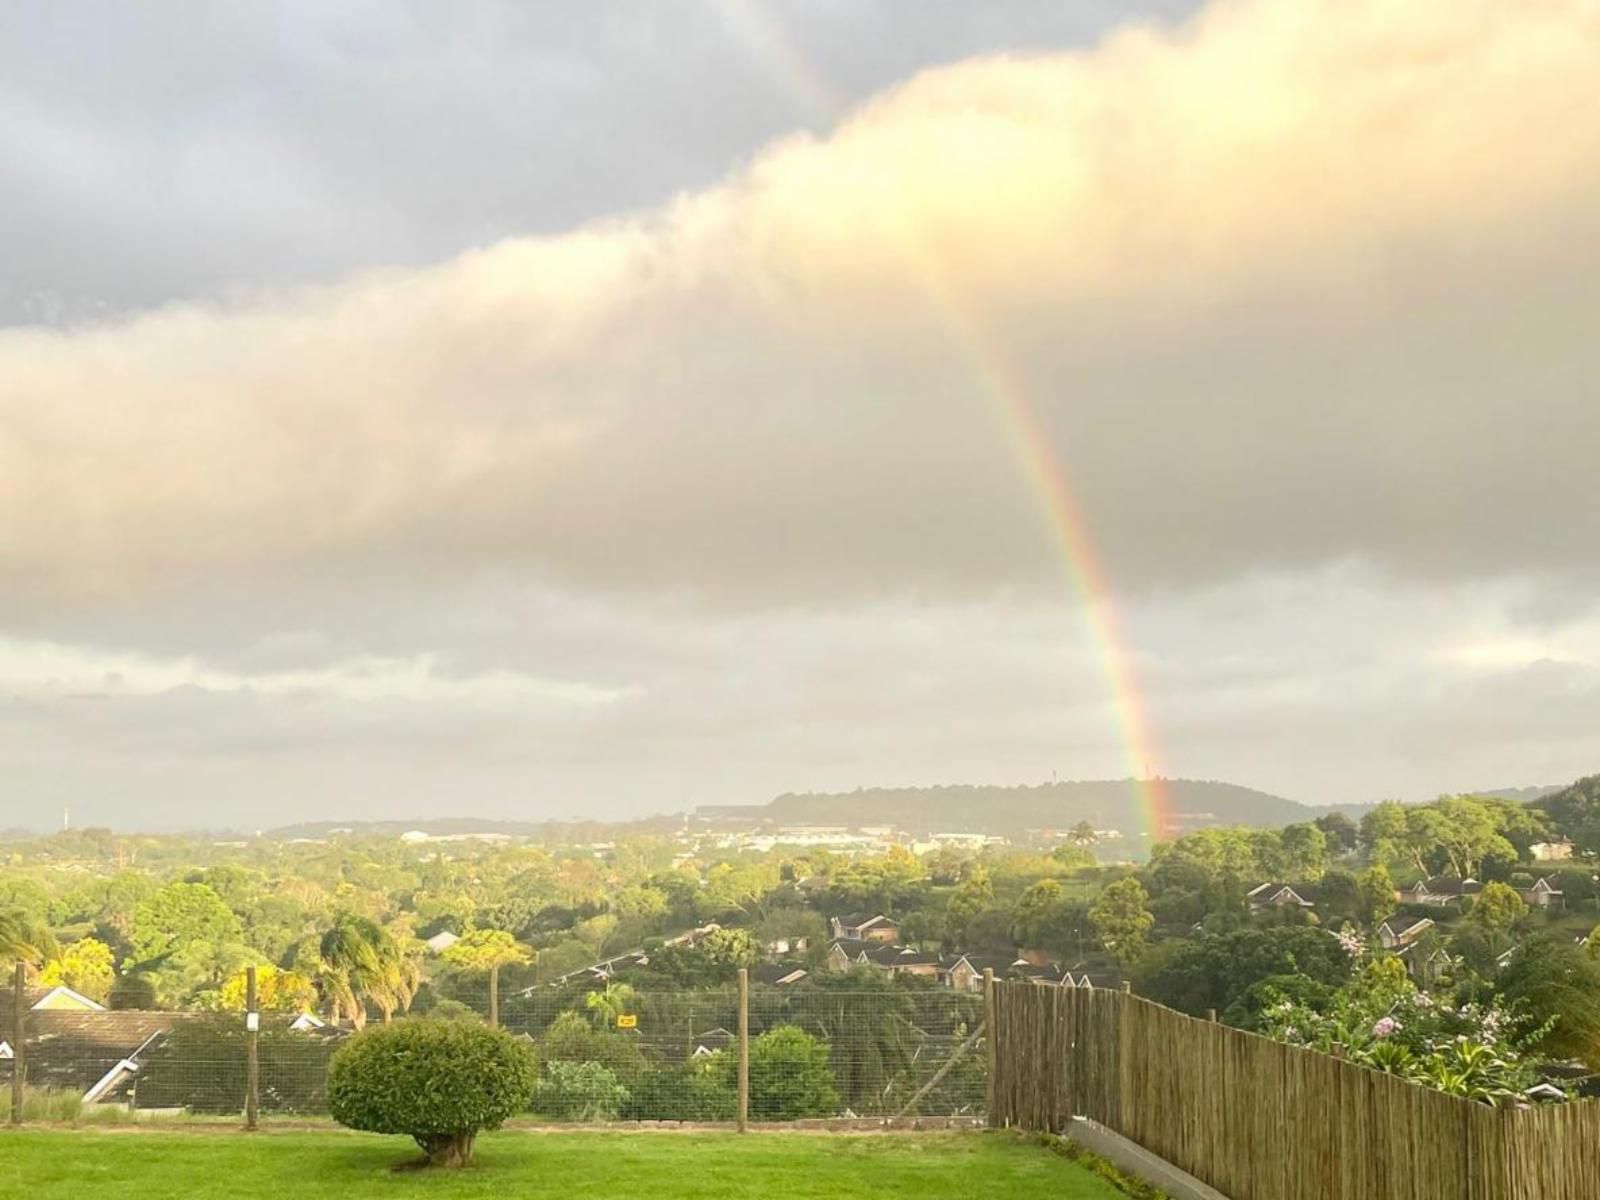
[
  {"x": 1279, "y": 895},
  {"x": 1400, "y": 930},
  {"x": 59, "y": 999},
  {"x": 778, "y": 974},
  {"x": 1425, "y": 961},
  {"x": 1442, "y": 891},
  {"x": 712, "y": 1041},
  {"x": 1543, "y": 894},
  {"x": 845, "y": 953},
  {"x": 88, "y": 1050},
  {"x": 441, "y": 941},
  {"x": 906, "y": 961},
  {"x": 1557, "y": 851},
  {"x": 866, "y": 927},
  {"x": 965, "y": 974},
  {"x": 780, "y": 946},
  {"x": 1093, "y": 979}
]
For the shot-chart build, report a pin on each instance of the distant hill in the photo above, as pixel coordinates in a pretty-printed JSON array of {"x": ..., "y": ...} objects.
[
  {"x": 1105, "y": 804},
  {"x": 1525, "y": 795}
]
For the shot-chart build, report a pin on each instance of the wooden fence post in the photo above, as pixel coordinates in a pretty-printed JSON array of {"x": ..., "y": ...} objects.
[
  {"x": 744, "y": 1050},
  {"x": 992, "y": 1050},
  {"x": 252, "y": 1051},
  {"x": 494, "y": 996},
  {"x": 19, "y": 1038},
  {"x": 1211, "y": 1015}
]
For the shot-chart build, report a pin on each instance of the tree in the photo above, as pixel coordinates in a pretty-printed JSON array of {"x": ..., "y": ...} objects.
[
  {"x": 1383, "y": 832},
  {"x": 1305, "y": 851},
  {"x": 86, "y": 966},
  {"x": 974, "y": 894},
  {"x": 24, "y": 939},
  {"x": 1547, "y": 977},
  {"x": 730, "y": 949},
  {"x": 1045, "y": 918},
  {"x": 438, "y": 1082},
  {"x": 1575, "y": 812},
  {"x": 488, "y": 950},
  {"x": 173, "y": 920},
  {"x": 1342, "y": 833},
  {"x": 1083, "y": 834},
  {"x": 1121, "y": 917},
  {"x": 613, "y": 1001},
  {"x": 358, "y": 962},
  {"x": 1497, "y": 908},
  {"x": 1377, "y": 895},
  {"x": 277, "y": 990},
  {"x": 1219, "y": 970},
  {"x": 132, "y": 990}
]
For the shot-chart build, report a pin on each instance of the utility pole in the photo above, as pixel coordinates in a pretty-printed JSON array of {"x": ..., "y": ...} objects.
[
  {"x": 744, "y": 1049},
  {"x": 252, "y": 1050},
  {"x": 19, "y": 1039}
]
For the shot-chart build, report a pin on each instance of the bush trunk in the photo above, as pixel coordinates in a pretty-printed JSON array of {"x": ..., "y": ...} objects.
[{"x": 447, "y": 1149}]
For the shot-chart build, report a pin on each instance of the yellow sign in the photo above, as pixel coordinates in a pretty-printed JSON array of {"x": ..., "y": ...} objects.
[{"x": 627, "y": 1021}]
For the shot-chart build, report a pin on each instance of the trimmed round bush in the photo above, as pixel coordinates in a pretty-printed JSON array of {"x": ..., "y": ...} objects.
[{"x": 439, "y": 1082}]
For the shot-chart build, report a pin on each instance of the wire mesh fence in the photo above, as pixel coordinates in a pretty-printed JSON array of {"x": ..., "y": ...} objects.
[{"x": 838, "y": 1048}]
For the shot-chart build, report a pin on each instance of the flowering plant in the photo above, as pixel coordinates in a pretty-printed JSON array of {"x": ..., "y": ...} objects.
[{"x": 1383, "y": 1020}]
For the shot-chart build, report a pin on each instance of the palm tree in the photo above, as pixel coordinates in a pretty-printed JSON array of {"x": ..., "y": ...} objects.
[
  {"x": 25, "y": 940},
  {"x": 357, "y": 966}
]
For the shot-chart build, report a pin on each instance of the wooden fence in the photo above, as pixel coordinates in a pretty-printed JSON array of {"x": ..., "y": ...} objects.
[{"x": 1258, "y": 1120}]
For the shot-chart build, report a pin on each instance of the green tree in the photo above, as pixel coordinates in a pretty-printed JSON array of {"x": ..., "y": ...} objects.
[
  {"x": 488, "y": 950},
  {"x": 1546, "y": 978},
  {"x": 24, "y": 938},
  {"x": 974, "y": 894},
  {"x": 1497, "y": 908},
  {"x": 357, "y": 963},
  {"x": 1377, "y": 895},
  {"x": 1305, "y": 851},
  {"x": 174, "y": 919},
  {"x": 438, "y": 1082},
  {"x": 730, "y": 949},
  {"x": 1122, "y": 919},
  {"x": 1342, "y": 833}
]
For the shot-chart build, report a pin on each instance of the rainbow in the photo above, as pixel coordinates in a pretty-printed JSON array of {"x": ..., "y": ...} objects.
[{"x": 1007, "y": 394}]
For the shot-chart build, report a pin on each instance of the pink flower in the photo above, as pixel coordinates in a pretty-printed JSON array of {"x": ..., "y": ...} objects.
[{"x": 1384, "y": 1027}]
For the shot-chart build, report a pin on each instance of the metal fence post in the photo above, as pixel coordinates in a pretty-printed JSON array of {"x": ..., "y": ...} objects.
[
  {"x": 19, "y": 1037},
  {"x": 252, "y": 1049},
  {"x": 744, "y": 1050},
  {"x": 992, "y": 1050}
]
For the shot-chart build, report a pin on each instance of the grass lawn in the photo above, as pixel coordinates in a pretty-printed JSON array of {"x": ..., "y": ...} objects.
[{"x": 72, "y": 1164}]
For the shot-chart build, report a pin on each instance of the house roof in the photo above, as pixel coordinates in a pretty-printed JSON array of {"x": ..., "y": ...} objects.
[
  {"x": 866, "y": 921},
  {"x": 1400, "y": 925},
  {"x": 1266, "y": 893},
  {"x": 979, "y": 963},
  {"x": 777, "y": 973},
  {"x": 907, "y": 957},
  {"x": 1448, "y": 885}
]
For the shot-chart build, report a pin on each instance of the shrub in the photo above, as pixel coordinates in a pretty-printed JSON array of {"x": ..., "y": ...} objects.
[
  {"x": 579, "y": 1091},
  {"x": 790, "y": 1076},
  {"x": 438, "y": 1082}
]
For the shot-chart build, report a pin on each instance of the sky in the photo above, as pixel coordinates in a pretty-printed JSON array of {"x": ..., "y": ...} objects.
[{"x": 539, "y": 410}]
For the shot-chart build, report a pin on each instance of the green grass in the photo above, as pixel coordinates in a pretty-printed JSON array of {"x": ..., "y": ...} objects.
[{"x": 69, "y": 1165}]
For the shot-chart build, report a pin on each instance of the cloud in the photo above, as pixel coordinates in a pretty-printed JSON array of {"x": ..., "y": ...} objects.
[{"x": 1284, "y": 285}]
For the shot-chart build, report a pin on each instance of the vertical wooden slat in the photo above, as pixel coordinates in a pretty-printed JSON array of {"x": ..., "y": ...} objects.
[{"x": 1259, "y": 1120}]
